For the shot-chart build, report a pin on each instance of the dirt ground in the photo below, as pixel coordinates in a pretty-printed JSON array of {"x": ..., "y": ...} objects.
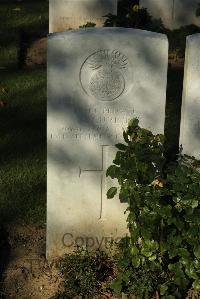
[{"x": 28, "y": 275}]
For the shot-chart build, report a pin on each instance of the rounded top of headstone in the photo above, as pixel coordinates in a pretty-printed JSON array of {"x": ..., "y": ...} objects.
[
  {"x": 193, "y": 37},
  {"x": 111, "y": 30}
]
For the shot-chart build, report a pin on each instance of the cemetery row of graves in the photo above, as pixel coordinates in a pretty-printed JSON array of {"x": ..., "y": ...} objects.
[{"x": 106, "y": 86}]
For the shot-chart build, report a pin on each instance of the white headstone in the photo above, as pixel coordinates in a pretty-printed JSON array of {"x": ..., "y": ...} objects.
[
  {"x": 65, "y": 14},
  {"x": 98, "y": 79},
  {"x": 173, "y": 13},
  {"x": 190, "y": 125}
]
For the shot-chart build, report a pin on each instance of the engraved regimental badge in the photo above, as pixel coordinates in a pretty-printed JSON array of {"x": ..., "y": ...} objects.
[{"x": 103, "y": 75}]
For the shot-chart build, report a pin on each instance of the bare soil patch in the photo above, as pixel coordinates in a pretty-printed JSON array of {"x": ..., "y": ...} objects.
[{"x": 28, "y": 274}]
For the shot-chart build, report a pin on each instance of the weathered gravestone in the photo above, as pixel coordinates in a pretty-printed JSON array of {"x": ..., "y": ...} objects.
[
  {"x": 98, "y": 79},
  {"x": 173, "y": 13},
  {"x": 190, "y": 124},
  {"x": 65, "y": 14}
]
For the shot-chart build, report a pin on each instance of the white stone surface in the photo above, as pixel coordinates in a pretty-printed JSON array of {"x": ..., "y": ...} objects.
[
  {"x": 65, "y": 14},
  {"x": 174, "y": 13},
  {"x": 190, "y": 125},
  {"x": 98, "y": 79}
]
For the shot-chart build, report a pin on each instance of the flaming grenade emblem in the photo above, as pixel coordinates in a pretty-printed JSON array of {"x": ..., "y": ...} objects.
[{"x": 106, "y": 80}]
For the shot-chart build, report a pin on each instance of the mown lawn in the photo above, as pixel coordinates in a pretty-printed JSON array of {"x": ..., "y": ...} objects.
[
  {"x": 23, "y": 119},
  {"x": 26, "y": 15}
]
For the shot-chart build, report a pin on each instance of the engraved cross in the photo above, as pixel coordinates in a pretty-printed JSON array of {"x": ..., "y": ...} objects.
[{"x": 103, "y": 176}]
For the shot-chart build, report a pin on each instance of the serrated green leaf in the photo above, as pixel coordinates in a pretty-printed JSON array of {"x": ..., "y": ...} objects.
[
  {"x": 126, "y": 276},
  {"x": 134, "y": 250},
  {"x": 123, "y": 196},
  {"x": 183, "y": 252},
  {"x": 194, "y": 204},
  {"x": 163, "y": 289},
  {"x": 196, "y": 285},
  {"x": 136, "y": 261},
  {"x": 197, "y": 252},
  {"x": 121, "y": 146},
  {"x": 111, "y": 192},
  {"x": 152, "y": 258},
  {"x": 116, "y": 285},
  {"x": 113, "y": 171},
  {"x": 133, "y": 123}
]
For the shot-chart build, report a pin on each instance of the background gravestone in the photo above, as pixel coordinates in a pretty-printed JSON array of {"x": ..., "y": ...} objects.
[
  {"x": 174, "y": 13},
  {"x": 65, "y": 14},
  {"x": 98, "y": 79},
  {"x": 190, "y": 124}
]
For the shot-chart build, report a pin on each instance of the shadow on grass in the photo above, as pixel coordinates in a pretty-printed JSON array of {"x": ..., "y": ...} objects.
[
  {"x": 21, "y": 19},
  {"x": 23, "y": 148},
  {"x": 22, "y": 122}
]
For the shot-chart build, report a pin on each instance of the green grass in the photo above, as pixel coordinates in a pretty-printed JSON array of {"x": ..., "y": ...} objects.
[
  {"x": 32, "y": 14},
  {"x": 23, "y": 149},
  {"x": 23, "y": 120},
  {"x": 32, "y": 17}
]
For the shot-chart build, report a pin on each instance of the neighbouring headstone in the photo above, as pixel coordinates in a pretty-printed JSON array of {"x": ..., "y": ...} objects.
[
  {"x": 65, "y": 14},
  {"x": 190, "y": 124},
  {"x": 173, "y": 13},
  {"x": 98, "y": 79}
]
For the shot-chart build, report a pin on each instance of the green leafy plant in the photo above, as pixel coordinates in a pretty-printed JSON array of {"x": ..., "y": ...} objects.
[
  {"x": 88, "y": 25},
  {"x": 132, "y": 16},
  {"x": 162, "y": 252}
]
